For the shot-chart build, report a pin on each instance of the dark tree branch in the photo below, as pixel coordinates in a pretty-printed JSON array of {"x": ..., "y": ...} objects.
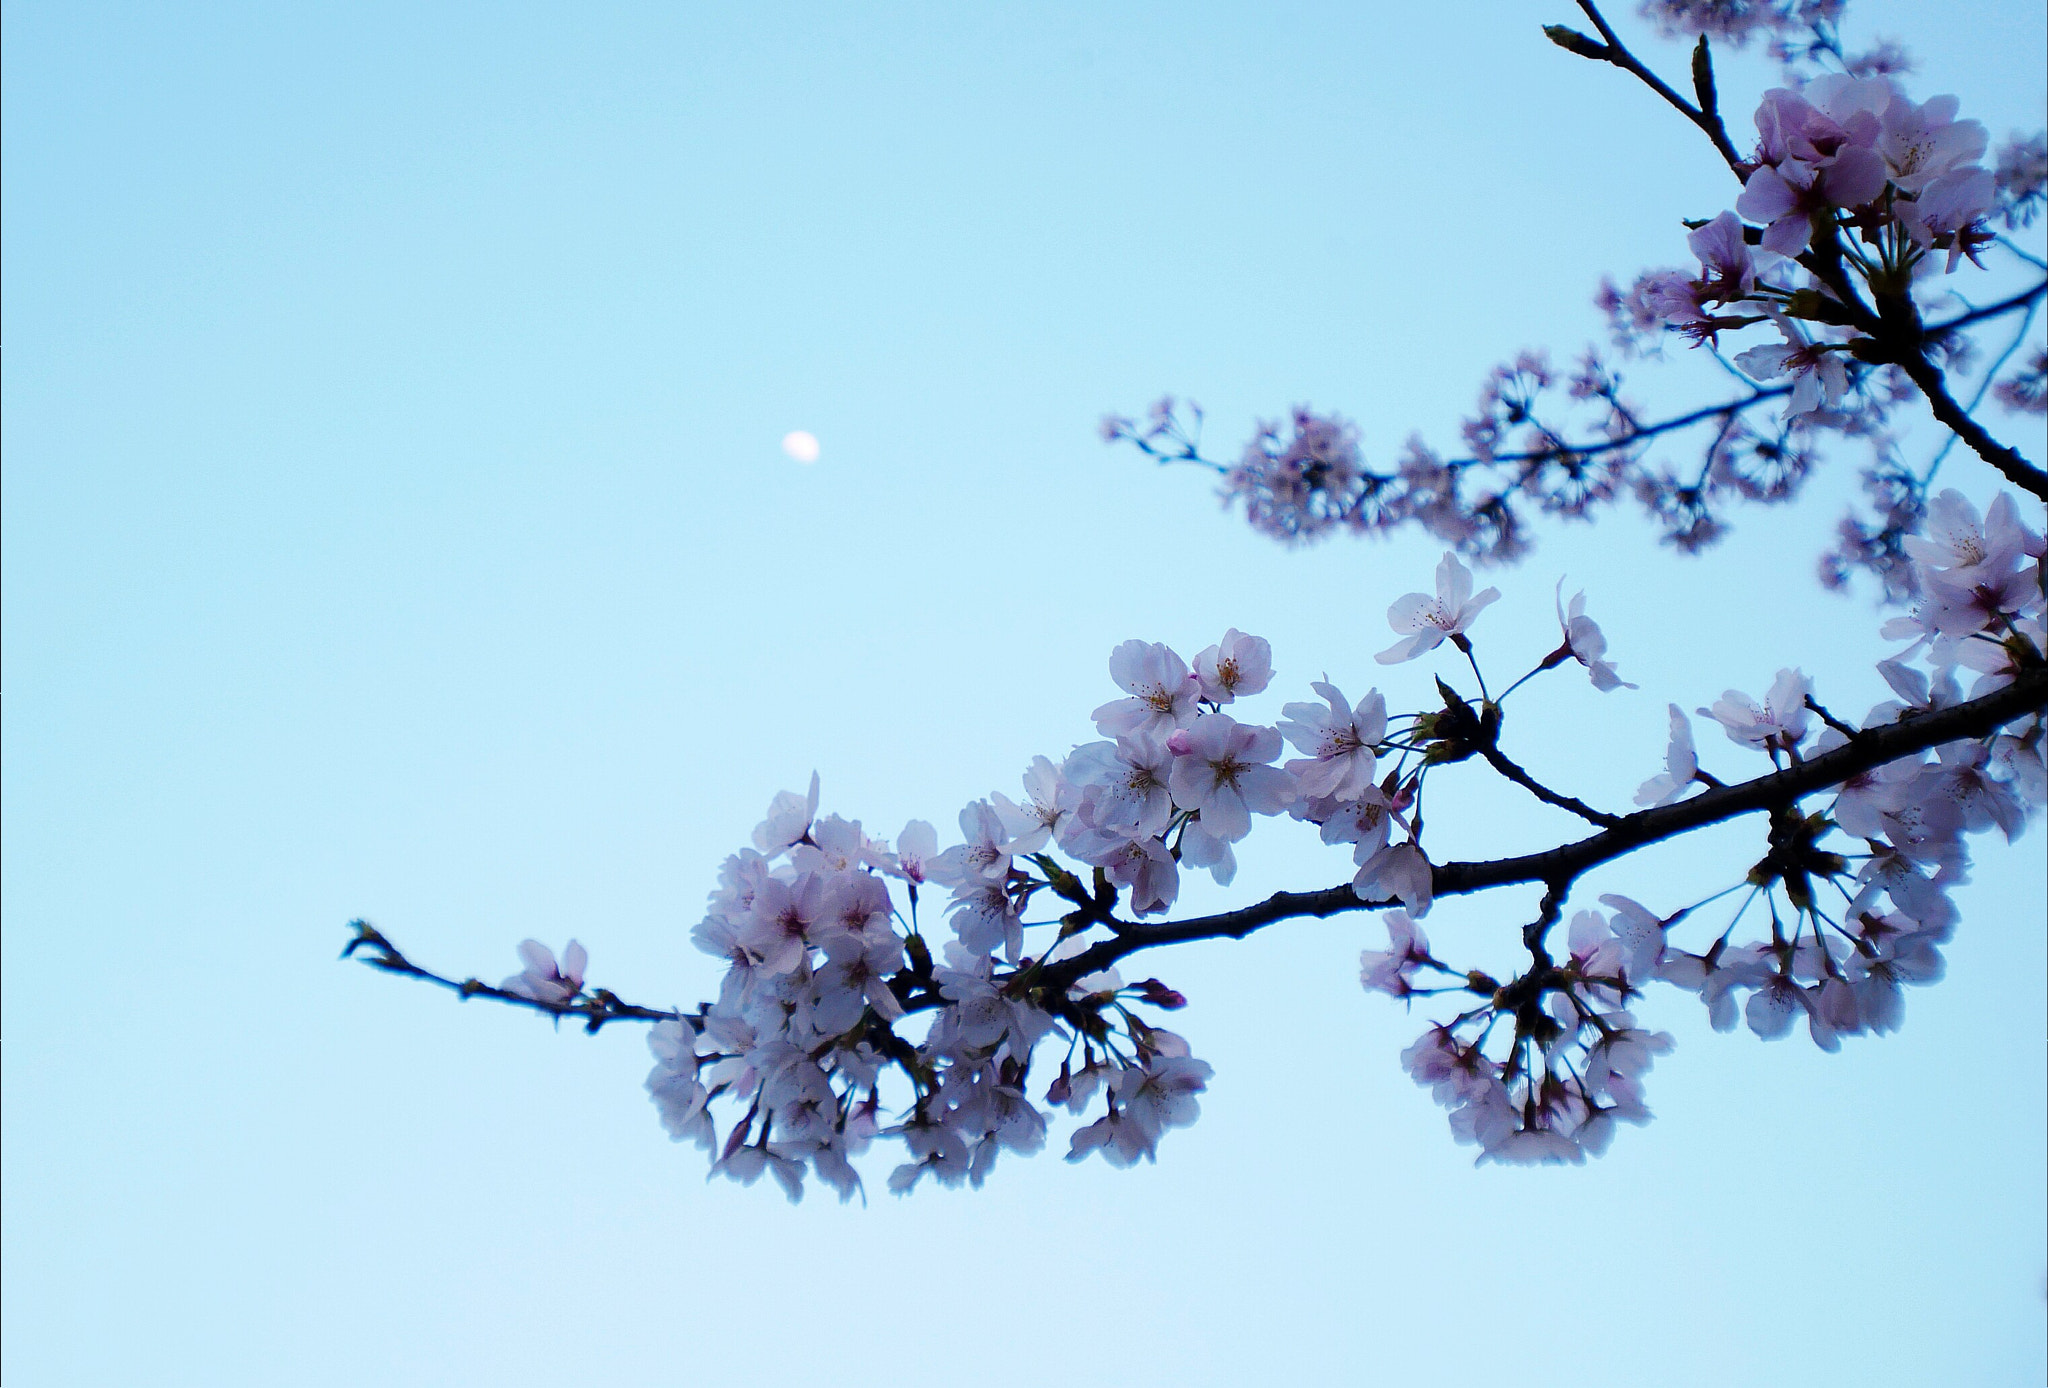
[
  {"x": 594, "y": 1011},
  {"x": 1556, "y": 868},
  {"x": 2015, "y": 469},
  {"x": 1498, "y": 760}
]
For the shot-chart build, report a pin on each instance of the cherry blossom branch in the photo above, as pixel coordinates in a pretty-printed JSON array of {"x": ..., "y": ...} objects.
[
  {"x": 2025, "y": 300},
  {"x": 1558, "y": 867},
  {"x": 1188, "y": 450},
  {"x": 1897, "y": 337},
  {"x": 602, "y": 1006},
  {"x": 1727, "y": 409}
]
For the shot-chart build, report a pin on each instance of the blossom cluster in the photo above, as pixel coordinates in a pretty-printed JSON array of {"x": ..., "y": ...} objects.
[
  {"x": 1547, "y": 1063},
  {"x": 826, "y": 963},
  {"x": 1855, "y": 201},
  {"x": 812, "y": 1049},
  {"x": 829, "y": 962}
]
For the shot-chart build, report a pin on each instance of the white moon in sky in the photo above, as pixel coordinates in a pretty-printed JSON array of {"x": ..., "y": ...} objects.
[{"x": 802, "y": 445}]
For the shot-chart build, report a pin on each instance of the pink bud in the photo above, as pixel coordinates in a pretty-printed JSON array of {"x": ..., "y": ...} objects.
[{"x": 1159, "y": 995}]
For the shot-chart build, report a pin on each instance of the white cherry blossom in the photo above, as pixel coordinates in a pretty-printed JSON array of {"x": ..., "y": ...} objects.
[{"x": 1427, "y": 620}]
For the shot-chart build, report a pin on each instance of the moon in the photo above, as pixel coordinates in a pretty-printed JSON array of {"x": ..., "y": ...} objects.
[{"x": 801, "y": 444}]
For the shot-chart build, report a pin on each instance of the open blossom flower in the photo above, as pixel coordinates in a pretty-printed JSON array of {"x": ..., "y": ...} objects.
[
  {"x": 1819, "y": 379},
  {"x": 1583, "y": 638},
  {"x": 1365, "y": 822},
  {"x": 1044, "y": 810},
  {"x": 1400, "y": 873},
  {"x": 1146, "y": 1101},
  {"x": 1431, "y": 619},
  {"x": 1238, "y": 666},
  {"x": 1727, "y": 268},
  {"x": 1121, "y": 787},
  {"x": 789, "y": 819},
  {"x": 1639, "y": 933},
  {"x": 1221, "y": 770},
  {"x": 1954, "y": 538},
  {"x": 1163, "y": 691},
  {"x": 1950, "y": 213},
  {"x": 777, "y": 933},
  {"x": 1456, "y": 1073},
  {"x": 1339, "y": 741},
  {"x": 1728, "y": 273},
  {"x": 984, "y": 857},
  {"x": 1681, "y": 765},
  {"x": 985, "y": 918},
  {"x": 1814, "y": 156},
  {"x": 1201, "y": 849},
  {"x": 916, "y": 849},
  {"x": 1142, "y": 866},
  {"x": 837, "y": 845},
  {"x": 1779, "y": 722},
  {"x": 1617, "y": 1061},
  {"x": 1160, "y": 1095},
  {"x": 1920, "y": 143},
  {"x": 1787, "y": 203},
  {"x": 541, "y": 980},
  {"x": 1392, "y": 970},
  {"x": 673, "y": 1084},
  {"x": 1862, "y": 801}
]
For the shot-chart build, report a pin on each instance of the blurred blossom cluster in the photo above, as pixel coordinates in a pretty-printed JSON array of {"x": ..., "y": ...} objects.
[{"x": 1823, "y": 294}]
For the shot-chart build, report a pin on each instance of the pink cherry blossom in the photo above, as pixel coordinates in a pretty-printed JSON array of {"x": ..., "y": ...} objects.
[
  {"x": 1778, "y": 723},
  {"x": 541, "y": 980},
  {"x": 1399, "y": 873},
  {"x": 1392, "y": 970},
  {"x": 1339, "y": 741},
  {"x": 1681, "y": 765},
  {"x": 1587, "y": 645},
  {"x": 1236, "y": 667},
  {"x": 1163, "y": 691},
  {"x": 1224, "y": 775},
  {"x": 1818, "y": 376},
  {"x": 789, "y": 819},
  {"x": 1431, "y": 619}
]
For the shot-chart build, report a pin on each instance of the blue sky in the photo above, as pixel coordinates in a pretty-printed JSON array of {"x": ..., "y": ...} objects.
[{"x": 394, "y": 526}]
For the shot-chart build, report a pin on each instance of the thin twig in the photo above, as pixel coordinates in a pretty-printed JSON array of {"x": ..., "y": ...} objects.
[
  {"x": 1498, "y": 760},
  {"x": 1709, "y": 122}
]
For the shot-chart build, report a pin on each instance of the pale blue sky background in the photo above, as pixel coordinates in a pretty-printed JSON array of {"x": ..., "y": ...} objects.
[{"x": 394, "y": 526}]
